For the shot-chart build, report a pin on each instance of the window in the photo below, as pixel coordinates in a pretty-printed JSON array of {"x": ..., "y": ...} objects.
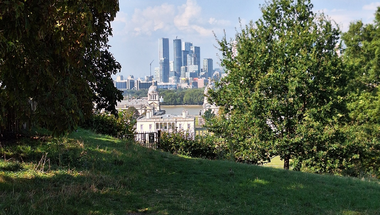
[
  {"x": 188, "y": 126},
  {"x": 150, "y": 126},
  {"x": 141, "y": 128},
  {"x": 180, "y": 126}
]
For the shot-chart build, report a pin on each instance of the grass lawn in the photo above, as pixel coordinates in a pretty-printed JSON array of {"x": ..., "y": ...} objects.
[
  {"x": 87, "y": 173},
  {"x": 276, "y": 162}
]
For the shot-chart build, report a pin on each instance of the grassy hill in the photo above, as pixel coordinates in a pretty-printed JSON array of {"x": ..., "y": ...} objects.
[{"x": 87, "y": 173}]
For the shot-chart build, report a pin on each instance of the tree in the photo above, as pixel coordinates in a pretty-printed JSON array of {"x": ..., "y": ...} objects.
[
  {"x": 285, "y": 84},
  {"x": 54, "y": 62},
  {"x": 362, "y": 56}
]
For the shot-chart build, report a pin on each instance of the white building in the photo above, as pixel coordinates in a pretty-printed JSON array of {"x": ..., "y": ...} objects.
[
  {"x": 150, "y": 104},
  {"x": 166, "y": 122},
  {"x": 156, "y": 119}
]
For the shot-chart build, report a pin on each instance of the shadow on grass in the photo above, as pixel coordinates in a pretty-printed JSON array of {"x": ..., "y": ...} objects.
[{"x": 114, "y": 177}]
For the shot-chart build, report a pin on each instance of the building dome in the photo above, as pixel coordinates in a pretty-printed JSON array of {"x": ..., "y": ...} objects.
[{"x": 152, "y": 89}]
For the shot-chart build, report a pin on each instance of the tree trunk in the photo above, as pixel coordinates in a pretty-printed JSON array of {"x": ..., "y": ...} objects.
[{"x": 286, "y": 162}]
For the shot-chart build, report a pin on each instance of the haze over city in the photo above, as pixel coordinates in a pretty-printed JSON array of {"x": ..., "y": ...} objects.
[{"x": 139, "y": 25}]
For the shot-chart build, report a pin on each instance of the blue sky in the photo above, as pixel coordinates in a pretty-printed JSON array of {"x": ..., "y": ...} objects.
[{"x": 140, "y": 23}]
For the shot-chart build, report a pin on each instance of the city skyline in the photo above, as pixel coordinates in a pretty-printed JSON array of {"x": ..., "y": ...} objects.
[{"x": 139, "y": 24}]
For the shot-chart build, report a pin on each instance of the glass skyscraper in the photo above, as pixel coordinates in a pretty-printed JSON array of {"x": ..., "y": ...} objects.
[
  {"x": 208, "y": 66},
  {"x": 163, "y": 56},
  {"x": 177, "y": 54},
  {"x": 197, "y": 57}
]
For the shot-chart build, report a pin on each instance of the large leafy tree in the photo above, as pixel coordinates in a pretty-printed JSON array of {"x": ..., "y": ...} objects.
[
  {"x": 284, "y": 88},
  {"x": 362, "y": 56},
  {"x": 54, "y": 62}
]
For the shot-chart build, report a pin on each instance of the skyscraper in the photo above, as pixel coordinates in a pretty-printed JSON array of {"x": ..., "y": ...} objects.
[
  {"x": 177, "y": 55},
  {"x": 163, "y": 48},
  {"x": 163, "y": 56},
  {"x": 197, "y": 57},
  {"x": 208, "y": 67},
  {"x": 184, "y": 57},
  {"x": 164, "y": 70},
  {"x": 187, "y": 46}
]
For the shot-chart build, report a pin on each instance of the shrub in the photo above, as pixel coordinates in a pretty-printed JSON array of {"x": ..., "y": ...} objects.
[
  {"x": 120, "y": 126},
  {"x": 186, "y": 144}
]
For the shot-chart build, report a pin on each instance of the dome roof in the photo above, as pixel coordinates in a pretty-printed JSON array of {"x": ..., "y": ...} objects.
[{"x": 152, "y": 89}]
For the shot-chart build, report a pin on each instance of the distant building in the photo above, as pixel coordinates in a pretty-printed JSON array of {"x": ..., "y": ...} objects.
[
  {"x": 202, "y": 82},
  {"x": 184, "y": 57},
  {"x": 154, "y": 119},
  {"x": 197, "y": 57},
  {"x": 122, "y": 84},
  {"x": 177, "y": 55},
  {"x": 164, "y": 70},
  {"x": 208, "y": 67},
  {"x": 169, "y": 86},
  {"x": 130, "y": 83},
  {"x": 140, "y": 84},
  {"x": 150, "y": 103},
  {"x": 119, "y": 78},
  {"x": 186, "y": 46},
  {"x": 163, "y": 56},
  {"x": 183, "y": 71}
]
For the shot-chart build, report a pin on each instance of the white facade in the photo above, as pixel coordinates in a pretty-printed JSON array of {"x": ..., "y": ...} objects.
[
  {"x": 166, "y": 122},
  {"x": 155, "y": 119}
]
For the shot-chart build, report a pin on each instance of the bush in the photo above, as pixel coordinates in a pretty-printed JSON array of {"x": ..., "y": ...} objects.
[
  {"x": 186, "y": 144},
  {"x": 108, "y": 124}
]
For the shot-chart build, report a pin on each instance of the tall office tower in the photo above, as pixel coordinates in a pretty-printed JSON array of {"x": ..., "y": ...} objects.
[
  {"x": 187, "y": 46},
  {"x": 163, "y": 48},
  {"x": 208, "y": 66},
  {"x": 190, "y": 59},
  {"x": 164, "y": 70},
  {"x": 157, "y": 74},
  {"x": 197, "y": 57},
  {"x": 163, "y": 56},
  {"x": 177, "y": 54},
  {"x": 184, "y": 57}
]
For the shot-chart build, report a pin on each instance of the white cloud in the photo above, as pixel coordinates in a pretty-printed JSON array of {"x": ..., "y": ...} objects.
[
  {"x": 373, "y": 6},
  {"x": 152, "y": 19},
  {"x": 187, "y": 14},
  {"x": 170, "y": 19},
  {"x": 212, "y": 21},
  {"x": 219, "y": 22}
]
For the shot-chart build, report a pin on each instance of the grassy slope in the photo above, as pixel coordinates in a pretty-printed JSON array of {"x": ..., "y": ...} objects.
[{"x": 101, "y": 175}]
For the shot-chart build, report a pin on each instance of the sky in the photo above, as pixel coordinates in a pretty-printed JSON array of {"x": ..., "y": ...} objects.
[{"x": 140, "y": 23}]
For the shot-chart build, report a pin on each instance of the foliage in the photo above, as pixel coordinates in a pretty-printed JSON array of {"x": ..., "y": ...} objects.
[
  {"x": 136, "y": 93},
  {"x": 186, "y": 144},
  {"x": 361, "y": 56},
  {"x": 182, "y": 97},
  {"x": 54, "y": 62},
  {"x": 173, "y": 97},
  {"x": 120, "y": 126},
  {"x": 285, "y": 86},
  {"x": 208, "y": 115}
]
